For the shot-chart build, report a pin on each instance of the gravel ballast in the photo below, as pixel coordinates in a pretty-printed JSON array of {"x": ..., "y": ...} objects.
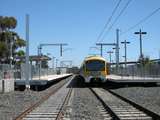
[
  {"x": 148, "y": 97},
  {"x": 14, "y": 103},
  {"x": 85, "y": 105}
]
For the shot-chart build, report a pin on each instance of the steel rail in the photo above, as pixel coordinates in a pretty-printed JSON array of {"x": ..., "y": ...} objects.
[
  {"x": 107, "y": 108},
  {"x": 139, "y": 107},
  {"x": 33, "y": 106},
  {"x": 66, "y": 101}
]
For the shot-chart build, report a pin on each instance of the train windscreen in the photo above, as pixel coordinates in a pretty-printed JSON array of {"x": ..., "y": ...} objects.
[{"x": 95, "y": 65}]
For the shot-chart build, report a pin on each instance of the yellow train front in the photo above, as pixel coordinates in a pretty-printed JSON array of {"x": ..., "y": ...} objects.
[{"x": 94, "y": 69}]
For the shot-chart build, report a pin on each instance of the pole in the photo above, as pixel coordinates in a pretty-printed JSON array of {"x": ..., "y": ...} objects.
[
  {"x": 125, "y": 47},
  {"x": 27, "y": 52},
  {"x": 53, "y": 62},
  {"x": 110, "y": 55},
  {"x": 125, "y": 56},
  {"x": 102, "y": 44},
  {"x": 117, "y": 50},
  {"x": 61, "y": 49},
  {"x": 101, "y": 50},
  {"x": 141, "y": 53},
  {"x": 140, "y": 38},
  {"x": 39, "y": 62}
]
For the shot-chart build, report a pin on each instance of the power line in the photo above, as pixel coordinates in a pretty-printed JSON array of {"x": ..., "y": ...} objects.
[
  {"x": 142, "y": 20},
  {"x": 111, "y": 26},
  {"x": 110, "y": 18}
]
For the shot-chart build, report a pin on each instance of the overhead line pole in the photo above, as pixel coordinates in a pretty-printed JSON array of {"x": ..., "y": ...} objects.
[
  {"x": 104, "y": 44},
  {"x": 110, "y": 55},
  {"x": 125, "y": 56},
  {"x": 140, "y": 38},
  {"x": 40, "y": 52},
  {"x": 141, "y": 53}
]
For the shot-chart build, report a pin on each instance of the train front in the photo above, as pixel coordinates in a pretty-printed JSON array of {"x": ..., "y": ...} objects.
[{"x": 96, "y": 70}]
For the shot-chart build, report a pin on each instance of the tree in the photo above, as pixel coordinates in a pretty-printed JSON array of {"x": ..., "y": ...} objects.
[
  {"x": 144, "y": 60},
  {"x": 9, "y": 40}
]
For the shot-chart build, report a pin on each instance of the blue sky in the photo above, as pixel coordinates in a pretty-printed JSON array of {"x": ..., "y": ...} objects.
[{"x": 79, "y": 22}]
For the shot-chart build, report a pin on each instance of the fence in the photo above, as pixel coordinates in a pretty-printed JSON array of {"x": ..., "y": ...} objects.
[
  {"x": 17, "y": 72},
  {"x": 150, "y": 70}
]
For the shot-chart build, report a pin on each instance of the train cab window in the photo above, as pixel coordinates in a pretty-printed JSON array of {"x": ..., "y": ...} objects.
[{"x": 95, "y": 65}]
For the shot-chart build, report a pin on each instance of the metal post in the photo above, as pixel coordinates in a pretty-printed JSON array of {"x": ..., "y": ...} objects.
[
  {"x": 141, "y": 53},
  {"x": 125, "y": 56},
  {"x": 101, "y": 50},
  {"x": 61, "y": 49},
  {"x": 140, "y": 38},
  {"x": 39, "y": 62},
  {"x": 140, "y": 43},
  {"x": 27, "y": 52},
  {"x": 53, "y": 62},
  {"x": 117, "y": 50},
  {"x": 101, "y": 45},
  {"x": 110, "y": 55}
]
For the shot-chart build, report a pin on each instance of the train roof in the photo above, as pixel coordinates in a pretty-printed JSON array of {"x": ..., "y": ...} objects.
[{"x": 94, "y": 58}]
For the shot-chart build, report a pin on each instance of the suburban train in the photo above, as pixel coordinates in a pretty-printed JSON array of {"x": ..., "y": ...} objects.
[{"x": 94, "y": 69}]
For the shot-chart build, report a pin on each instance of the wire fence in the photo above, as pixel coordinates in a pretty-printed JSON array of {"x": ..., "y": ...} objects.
[
  {"x": 137, "y": 70},
  {"x": 17, "y": 72}
]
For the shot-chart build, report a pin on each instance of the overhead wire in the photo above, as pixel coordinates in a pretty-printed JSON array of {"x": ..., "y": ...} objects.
[
  {"x": 111, "y": 26},
  {"x": 141, "y": 21},
  {"x": 109, "y": 20}
]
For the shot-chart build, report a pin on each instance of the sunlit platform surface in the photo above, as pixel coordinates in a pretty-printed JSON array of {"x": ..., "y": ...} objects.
[
  {"x": 43, "y": 80},
  {"x": 132, "y": 79}
]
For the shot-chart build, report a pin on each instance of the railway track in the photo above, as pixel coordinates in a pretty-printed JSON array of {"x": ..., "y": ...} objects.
[
  {"x": 116, "y": 107},
  {"x": 51, "y": 107}
]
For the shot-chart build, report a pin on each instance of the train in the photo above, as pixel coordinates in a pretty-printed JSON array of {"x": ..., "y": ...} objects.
[{"x": 94, "y": 69}]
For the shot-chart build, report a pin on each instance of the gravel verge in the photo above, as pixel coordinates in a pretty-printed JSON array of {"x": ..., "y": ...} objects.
[
  {"x": 85, "y": 105},
  {"x": 148, "y": 97},
  {"x": 13, "y": 103}
]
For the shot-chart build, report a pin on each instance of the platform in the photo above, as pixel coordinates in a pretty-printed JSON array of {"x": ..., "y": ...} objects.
[
  {"x": 44, "y": 80},
  {"x": 132, "y": 79}
]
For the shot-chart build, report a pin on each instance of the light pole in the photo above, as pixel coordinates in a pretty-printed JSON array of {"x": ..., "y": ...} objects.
[
  {"x": 27, "y": 52},
  {"x": 125, "y": 56}
]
